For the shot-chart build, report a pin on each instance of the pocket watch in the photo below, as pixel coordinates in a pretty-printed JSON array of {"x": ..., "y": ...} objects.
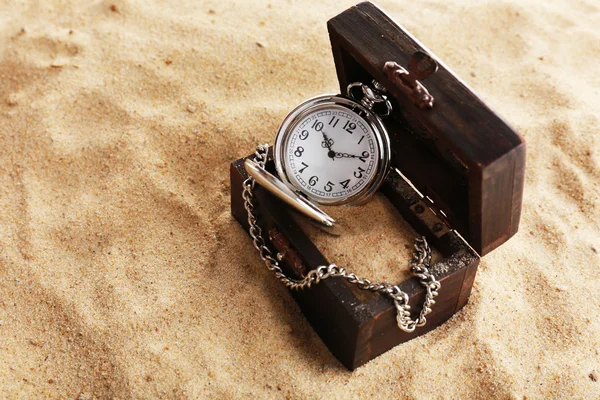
[{"x": 331, "y": 150}]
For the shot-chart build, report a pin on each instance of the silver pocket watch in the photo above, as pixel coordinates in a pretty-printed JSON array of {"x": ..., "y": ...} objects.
[{"x": 330, "y": 150}]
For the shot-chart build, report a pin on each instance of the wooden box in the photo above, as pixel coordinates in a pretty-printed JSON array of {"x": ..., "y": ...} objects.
[{"x": 466, "y": 169}]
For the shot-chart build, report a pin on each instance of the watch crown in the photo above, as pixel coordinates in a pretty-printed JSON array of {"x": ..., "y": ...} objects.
[{"x": 378, "y": 86}]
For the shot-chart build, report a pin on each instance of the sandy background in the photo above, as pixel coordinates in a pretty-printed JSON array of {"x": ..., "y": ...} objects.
[{"x": 123, "y": 275}]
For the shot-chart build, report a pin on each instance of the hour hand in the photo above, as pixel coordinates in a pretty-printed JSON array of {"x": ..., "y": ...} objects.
[{"x": 327, "y": 143}]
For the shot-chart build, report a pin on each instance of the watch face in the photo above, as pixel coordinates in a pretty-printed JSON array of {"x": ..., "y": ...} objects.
[{"x": 331, "y": 153}]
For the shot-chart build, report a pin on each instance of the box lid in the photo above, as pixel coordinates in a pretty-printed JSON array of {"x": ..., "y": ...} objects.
[{"x": 466, "y": 161}]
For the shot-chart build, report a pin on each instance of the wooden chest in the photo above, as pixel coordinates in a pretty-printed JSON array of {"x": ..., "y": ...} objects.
[{"x": 461, "y": 184}]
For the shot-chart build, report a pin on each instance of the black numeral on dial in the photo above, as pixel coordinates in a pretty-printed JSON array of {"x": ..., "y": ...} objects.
[
  {"x": 299, "y": 151},
  {"x": 303, "y": 135},
  {"x": 301, "y": 170},
  {"x": 334, "y": 121},
  {"x": 345, "y": 183},
  {"x": 364, "y": 156},
  {"x": 329, "y": 186},
  {"x": 317, "y": 126},
  {"x": 359, "y": 174},
  {"x": 313, "y": 180},
  {"x": 349, "y": 127}
]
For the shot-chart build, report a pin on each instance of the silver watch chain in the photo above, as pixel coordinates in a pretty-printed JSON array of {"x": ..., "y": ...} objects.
[{"x": 420, "y": 264}]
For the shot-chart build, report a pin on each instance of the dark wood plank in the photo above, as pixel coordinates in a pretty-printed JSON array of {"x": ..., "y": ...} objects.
[
  {"x": 467, "y": 285},
  {"x": 357, "y": 328},
  {"x": 503, "y": 179},
  {"x": 237, "y": 175},
  {"x": 468, "y": 125},
  {"x": 381, "y": 334},
  {"x": 330, "y": 306},
  {"x": 447, "y": 151}
]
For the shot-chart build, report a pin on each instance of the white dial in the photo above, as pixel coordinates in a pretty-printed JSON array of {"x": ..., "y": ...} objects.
[{"x": 331, "y": 154}]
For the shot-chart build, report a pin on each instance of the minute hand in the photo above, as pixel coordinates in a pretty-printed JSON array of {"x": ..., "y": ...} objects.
[{"x": 346, "y": 155}]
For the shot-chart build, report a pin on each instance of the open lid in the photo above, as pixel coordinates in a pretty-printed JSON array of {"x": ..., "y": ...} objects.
[{"x": 467, "y": 162}]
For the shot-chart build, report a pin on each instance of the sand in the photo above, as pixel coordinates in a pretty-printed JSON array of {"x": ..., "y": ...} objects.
[{"x": 123, "y": 274}]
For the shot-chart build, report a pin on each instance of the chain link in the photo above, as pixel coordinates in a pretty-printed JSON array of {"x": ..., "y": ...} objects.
[{"x": 420, "y": 264}]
